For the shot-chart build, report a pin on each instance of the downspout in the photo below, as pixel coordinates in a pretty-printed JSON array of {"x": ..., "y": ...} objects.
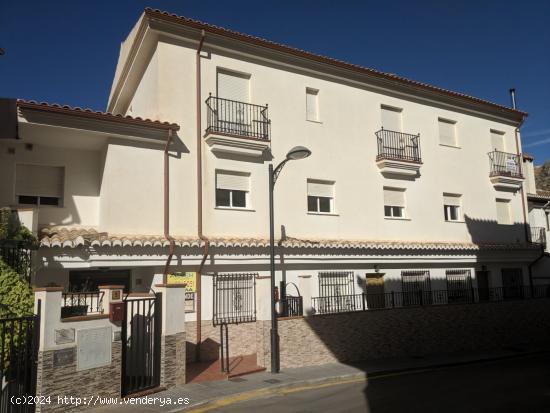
[
  {"x": 199, "y": 199},
  {"x": 167, "y": 208}
]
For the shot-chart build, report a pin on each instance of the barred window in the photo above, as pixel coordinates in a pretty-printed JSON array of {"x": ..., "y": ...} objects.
[
  {"x": 416, "y": 287},
  {"x": 336, "y": 283},
  {"x": 459, "y": 285},
  {"x": 234, "y": 298}
]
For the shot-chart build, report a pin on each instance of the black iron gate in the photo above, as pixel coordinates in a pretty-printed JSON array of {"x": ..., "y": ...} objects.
[
  {"x": 141, "y": 337},
  {"x": 234, "y": 303},
  {"x": 19, "y": 338}
]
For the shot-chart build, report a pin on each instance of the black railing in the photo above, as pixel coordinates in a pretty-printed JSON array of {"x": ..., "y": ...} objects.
[
  {"x": 505, "y": 164},
  {"x": 19, "y": 338},
  {"x": 292, "y": 306},
  {"x": 81, "y": 303},
  {"x": 234, "y": 298},
  {"x": 538, "y": 235},
  {"x": 398, "y": 146},
  {"x": 235, "y": 118},
  {"x": 365, "y": 301}
]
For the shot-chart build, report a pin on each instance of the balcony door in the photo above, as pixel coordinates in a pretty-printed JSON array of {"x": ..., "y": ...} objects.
[
  {"x": 234, "y": 111},
  {"x": 376, "y": 297}
]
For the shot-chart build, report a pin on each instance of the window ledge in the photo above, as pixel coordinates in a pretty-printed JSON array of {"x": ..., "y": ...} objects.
[
  {"x": 450, "y": 146},
  {"x": 397, "y": 219},
  {"x": 235, "y": 209},
  {"x": 330, "y": 214},
  {"x": 314, "y": 121},
  {"x": 455, "y": 222}
]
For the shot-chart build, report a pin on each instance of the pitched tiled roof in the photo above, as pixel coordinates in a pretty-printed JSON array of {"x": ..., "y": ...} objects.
[
  {"x": 78, "y": 236},
  {"x": 199, "y": 25},
  {"x": 541, "y": 194},
  {"x": 89, "y": 113},
  {"x": 528, "y": 157}
]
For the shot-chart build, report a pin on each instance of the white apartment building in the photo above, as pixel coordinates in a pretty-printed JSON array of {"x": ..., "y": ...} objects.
[{"x": 409, "y": 187}]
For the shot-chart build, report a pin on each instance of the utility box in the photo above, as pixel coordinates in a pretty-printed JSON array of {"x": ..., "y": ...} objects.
[{"x": 116, "y": 311}]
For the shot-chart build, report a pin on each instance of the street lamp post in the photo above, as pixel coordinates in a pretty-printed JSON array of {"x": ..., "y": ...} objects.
[{"x": 298, "y": 152}]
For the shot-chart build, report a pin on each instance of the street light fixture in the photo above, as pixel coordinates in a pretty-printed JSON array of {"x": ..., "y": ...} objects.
[{"x": 296, "y": 153}]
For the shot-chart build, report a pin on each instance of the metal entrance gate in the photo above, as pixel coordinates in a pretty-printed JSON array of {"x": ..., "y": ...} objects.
[
  {"x": 18, "y": 358},
  {"x": 141, "y": 337},
  {"x": 234, "y": 303}
]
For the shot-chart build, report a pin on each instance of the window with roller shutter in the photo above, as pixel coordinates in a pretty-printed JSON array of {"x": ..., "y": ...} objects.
[
  {"x": 39, "y": 184},
  {"x": 320, "y": 196},
  {"x": 232, "y": 189}
]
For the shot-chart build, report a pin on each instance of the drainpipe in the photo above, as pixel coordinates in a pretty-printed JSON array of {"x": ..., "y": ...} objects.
[
  {"x": 199, "y": 199},
  {"x": 516, "y": 131},
  {"x": 167, "y": 208}
]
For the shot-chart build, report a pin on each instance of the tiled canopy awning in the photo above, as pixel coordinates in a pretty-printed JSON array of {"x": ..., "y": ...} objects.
[{"x": 72, "y": 237}]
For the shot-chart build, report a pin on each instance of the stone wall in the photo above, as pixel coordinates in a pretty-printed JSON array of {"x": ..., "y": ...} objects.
[
  {"x": 172, "y": 360},
  {"x": 242, "y": 340},
  {"x": 65, "y": 380},
  {"x": 414, "y": 331}
]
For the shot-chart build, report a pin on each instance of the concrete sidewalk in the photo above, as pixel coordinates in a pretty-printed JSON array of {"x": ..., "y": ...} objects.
[{"x": 263, "y": 384}]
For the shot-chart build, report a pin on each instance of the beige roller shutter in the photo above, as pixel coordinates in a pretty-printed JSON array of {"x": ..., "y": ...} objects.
[
  {"x": 234, "y": 86},
  {"x": 451, "y": 199},
  {"x": 391, "y": 118},
  {"x": 237, "y": 181},
  {"x": 39, "y": 180},
  {"x": 320, "y": 188},
  {"x": 394, "y": 197},
  {"x": 503, "y": 211},
  {"x": 447, "y": 132}
]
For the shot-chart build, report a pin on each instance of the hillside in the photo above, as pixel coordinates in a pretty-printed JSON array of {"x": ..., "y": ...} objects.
[{"x": 542, "y": 176}]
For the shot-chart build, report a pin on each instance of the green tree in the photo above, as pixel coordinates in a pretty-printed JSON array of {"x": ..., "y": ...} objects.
[{"x": 16, "y": 296}]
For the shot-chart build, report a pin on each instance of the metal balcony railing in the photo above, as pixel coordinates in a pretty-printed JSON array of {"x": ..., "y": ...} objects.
[
  {"x": 505, "y": 164},
  {"x": 538, "y": 235},
  {"x": 398, "y": 146},
  {"x": 81, "y": 303},
  {"x": 230, "y": 117}
]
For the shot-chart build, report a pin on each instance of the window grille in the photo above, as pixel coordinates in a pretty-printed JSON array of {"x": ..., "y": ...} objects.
[{"x": 234, "y": 298}]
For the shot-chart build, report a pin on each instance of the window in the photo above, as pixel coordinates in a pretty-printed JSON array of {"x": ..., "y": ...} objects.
[
  {"x": 451, "y": 207},
  {"x": 312, "y": 104},
  {"x": 394, "y": 203},
  {"x": 320, "y": 196},
  {"x": 234, "y": 298},
  {"x": 39, "y": 184},
  {"x": 416, "y": 287},
  {"x": 336, "y": 293},
  {"x": 232, "y": 189},
  {"x": 391, "y": 118},
  {"x": 233, "y": 86},
  {"x": 447, "y": 132},
  {"x": 503, "y": 212},
  {"x": 497, "y": 141},
  {"x": 459, "y": 286}
]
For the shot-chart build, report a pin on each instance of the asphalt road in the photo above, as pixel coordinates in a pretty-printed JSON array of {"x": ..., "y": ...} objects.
[{"x": 519, "y": 385}]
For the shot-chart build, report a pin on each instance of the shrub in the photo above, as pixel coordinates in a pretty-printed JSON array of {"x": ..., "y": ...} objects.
[{"x": 16, "y": 297}]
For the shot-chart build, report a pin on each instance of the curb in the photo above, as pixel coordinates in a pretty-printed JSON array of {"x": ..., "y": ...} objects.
[{"x": 206, "y": 405}]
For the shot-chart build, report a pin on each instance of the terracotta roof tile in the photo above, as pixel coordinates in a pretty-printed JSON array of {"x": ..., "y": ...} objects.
[
  {"x": 78, "y": 236},
  {"x": 54, "y": 107},
  {"x": 156, "y": 13}
]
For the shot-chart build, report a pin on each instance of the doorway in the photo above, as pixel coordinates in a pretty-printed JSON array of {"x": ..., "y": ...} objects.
[
  {"x": 376, "y": 297},
  {"x": 482, "y": 285}
]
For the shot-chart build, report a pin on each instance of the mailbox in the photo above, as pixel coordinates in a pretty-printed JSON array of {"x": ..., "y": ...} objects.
[{"x": 116, "y": 311}]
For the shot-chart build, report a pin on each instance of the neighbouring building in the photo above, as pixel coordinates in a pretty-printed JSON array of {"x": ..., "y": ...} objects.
[{"x": 412, "y": 194}]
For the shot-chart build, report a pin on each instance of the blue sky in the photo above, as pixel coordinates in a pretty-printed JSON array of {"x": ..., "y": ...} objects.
[{"x": 66, "y": 51}]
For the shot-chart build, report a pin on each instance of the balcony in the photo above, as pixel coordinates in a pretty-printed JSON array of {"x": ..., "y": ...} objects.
[
  {"x": 538, "y": 235},
  {"x": 237, "y": 127},
  {"x": 505, "y": 170},
  {"x": 398, "y": 153}
]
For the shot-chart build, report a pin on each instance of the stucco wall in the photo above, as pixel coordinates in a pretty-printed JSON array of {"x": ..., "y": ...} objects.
[
  {"x": 344, "y": 150},
  {"x": 81, "y": 184}
]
